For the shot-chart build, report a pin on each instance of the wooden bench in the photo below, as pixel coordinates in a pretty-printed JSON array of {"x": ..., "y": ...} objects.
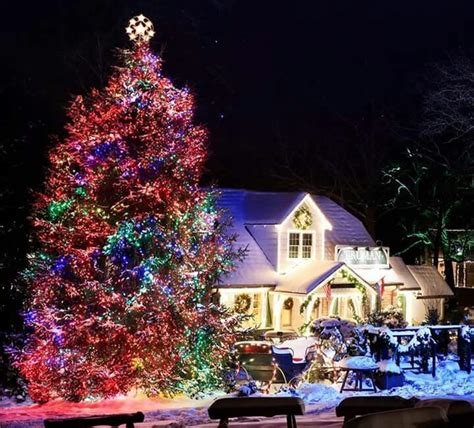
[
  {"x": 351, "y": 407},
  {"x": 127, "y": 419},
  {"x": 235, "y": 407},
  {"x": 432, "y": 417},
  {"x": 460, "y": 413}
]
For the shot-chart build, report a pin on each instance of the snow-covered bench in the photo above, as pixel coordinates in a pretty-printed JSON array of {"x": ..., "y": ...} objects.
[
  {"x": 235, "y": 407},
  {"x": 459, "y": 412},
  {"x": 432, "y": 417},
  {"x": 127, "y": 419},
  {"x": 356, "y": 406}
]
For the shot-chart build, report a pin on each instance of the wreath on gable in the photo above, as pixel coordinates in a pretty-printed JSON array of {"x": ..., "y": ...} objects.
[
  {"x": 288, "y": 304},
  {"x": 302, "y": 219},
  {"x": 242, "y": 303}
]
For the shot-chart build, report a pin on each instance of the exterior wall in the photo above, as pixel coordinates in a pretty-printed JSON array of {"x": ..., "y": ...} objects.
[
  {"x": 389, "y": 297},
  {"x": 416, "y": 309},
  {"x": 258, "y": 305},
  {"x": 317, "y": 229}
]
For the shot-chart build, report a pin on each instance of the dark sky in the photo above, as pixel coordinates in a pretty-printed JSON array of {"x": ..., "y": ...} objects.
[
  {"x": 265, "y": 73},
  {"x": 257, "y": 67}
]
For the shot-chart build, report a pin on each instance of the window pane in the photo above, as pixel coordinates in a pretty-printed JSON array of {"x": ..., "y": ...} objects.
[
  {"x": 293, "y": 252},
  {"x": 294, "y": 239},
  {"x": 293, "y": 248},
  {"x": 306, "y": 252}
]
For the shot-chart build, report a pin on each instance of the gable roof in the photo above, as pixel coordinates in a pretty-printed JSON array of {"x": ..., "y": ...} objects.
[
  {"x": 254, "y": 216},
  {"x": 311, "y": 276},
  {"x": 252, "y": 207},
  {"x": 255, "y": 269},
  {"x": 431, "y": 282}
]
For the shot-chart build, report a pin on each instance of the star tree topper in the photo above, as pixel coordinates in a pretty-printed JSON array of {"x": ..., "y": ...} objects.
[{"x": 140, "y": 29}]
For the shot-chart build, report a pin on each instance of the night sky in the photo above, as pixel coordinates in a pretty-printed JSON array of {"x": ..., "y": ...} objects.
[{"x": 266, "y": 74}]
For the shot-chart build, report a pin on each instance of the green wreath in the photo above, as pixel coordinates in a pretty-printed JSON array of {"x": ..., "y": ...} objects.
[
  {"x": 288, "y": 304},
  {"x": 302, "y": 218},
  {"x": 242, "y": 303}
]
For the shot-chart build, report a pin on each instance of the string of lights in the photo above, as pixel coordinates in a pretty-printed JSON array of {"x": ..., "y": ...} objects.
[{"x": 129, "y": 246}]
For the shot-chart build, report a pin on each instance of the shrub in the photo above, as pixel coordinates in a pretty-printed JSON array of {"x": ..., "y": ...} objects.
[{"x": 391, "y": 317}]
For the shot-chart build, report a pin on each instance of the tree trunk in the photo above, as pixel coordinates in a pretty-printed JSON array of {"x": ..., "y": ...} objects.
[
  {"x": 436, "y": 246},
  {"x": 370, "y": 220},
  {"x": 449, "y": 271}
]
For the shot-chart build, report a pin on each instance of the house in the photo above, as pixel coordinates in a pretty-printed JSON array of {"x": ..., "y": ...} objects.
[{"x": 307, "y": 257}]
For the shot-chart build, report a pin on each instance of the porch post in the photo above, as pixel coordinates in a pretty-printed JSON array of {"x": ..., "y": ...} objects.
[
  {"x": 308, "y": 311},
  {"x": 264, "y": 303},
  {"x": 277, "y": 312}
]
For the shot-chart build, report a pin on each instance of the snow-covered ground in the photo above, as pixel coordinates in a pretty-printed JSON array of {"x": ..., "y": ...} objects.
[{"x": 320, "y": 399}]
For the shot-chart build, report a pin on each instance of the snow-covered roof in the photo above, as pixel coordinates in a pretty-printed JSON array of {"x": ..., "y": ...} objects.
[
  {"x": 431, "y": 282},
  {"x": 402, "y": 275},
  {"x": 307, "y": 277},
  {"x": 255, "y": 217},
  {"x": 255, "y": 269},
  {"x": 347, "y": 229},
  {"x": 259, "y": 212}
]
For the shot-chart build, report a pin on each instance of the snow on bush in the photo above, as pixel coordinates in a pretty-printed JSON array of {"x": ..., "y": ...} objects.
[{"x": 390, "y": 316}]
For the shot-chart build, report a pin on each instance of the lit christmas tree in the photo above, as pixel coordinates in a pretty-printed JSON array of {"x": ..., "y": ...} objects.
[{"x": 130, "y": 246}]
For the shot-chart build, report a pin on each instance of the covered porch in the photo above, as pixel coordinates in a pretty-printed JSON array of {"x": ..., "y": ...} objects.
[{"x": 333, "y": 290}]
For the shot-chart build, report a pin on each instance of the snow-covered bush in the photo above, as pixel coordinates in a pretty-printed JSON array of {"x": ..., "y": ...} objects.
[
  {"x": 390, "y": 316},
  {"x": 358, "y": 343}
]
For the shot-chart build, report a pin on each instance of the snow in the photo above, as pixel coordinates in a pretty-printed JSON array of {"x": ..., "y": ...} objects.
[
  {"x": 320, "y": 400},
  {"x": 388, "y": 366},
  {"x": 312, "y": 393},
  {"x": 357, "y": 363}
]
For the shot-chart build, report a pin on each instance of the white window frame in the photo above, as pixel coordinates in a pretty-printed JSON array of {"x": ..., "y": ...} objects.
[{"x": 300, "y": 245}]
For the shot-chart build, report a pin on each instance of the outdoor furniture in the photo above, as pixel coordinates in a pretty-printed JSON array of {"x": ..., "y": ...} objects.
[
  {"x": 362, "y": 368},
  {"x": 284, "y": 359},
  {"x": 432, "y": 417},
  {"x": 235, "y": 407},
  {"x": 408, "y": 334},
  {"x": 256, "y": 360},
  {"x": 460, "y": 413},
  {"x": 360, "y": 374},
  {"x": 127, "y": 419},
  {"x": 356, "y": 406}
]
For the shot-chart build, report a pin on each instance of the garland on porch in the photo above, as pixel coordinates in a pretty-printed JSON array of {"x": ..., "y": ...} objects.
[
  {"x": 356, "y": 317},
  {"x": 306, "y": 303},
  {"x": 288, "y": 304},
  {"x": 361, "y": 288}
]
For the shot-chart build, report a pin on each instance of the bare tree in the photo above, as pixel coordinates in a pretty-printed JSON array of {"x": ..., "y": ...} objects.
[{"x": 345, "y": 166}]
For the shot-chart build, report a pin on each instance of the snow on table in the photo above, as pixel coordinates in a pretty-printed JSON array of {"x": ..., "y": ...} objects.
[
  {"x": 320, "y": 400},
  {"x": 358, "y": 362}
]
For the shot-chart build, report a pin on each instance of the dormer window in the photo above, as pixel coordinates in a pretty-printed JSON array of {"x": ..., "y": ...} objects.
[{"x": 300, "y": 245}]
